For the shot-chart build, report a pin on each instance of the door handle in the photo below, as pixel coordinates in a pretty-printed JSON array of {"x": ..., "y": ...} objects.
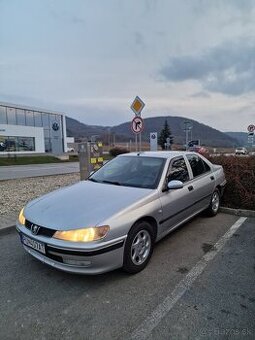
[
  {"x": 212, "y": 178},
  {"x": 190, "y": 187}
]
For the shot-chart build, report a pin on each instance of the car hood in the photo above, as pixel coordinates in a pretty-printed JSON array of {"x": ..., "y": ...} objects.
[{"x": 82, "y": 205}]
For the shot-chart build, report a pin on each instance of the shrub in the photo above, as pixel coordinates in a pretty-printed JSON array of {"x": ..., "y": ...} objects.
[
  {"x": 117, "y": 151},
  {"x": 240, "y": 176}
]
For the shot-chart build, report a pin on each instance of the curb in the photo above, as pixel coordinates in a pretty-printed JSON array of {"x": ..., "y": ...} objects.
[{"x": 238, "y": 212}]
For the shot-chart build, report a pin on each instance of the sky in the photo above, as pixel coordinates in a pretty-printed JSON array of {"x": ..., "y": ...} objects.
[{"x": 90, "y": 58}]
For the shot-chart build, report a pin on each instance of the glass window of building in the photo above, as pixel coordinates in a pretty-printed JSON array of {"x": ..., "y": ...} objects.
[
  {"x": 26, "y": 143},
  {"x": 2, "y": 143},
  {"x": 38, "y": 119},
  {"x": 11, "y": 116},
  {"x": 3, "y": 117},
  {"x": 11, "y": 143},
  {"x": 45, "y": 119},
  {"x": 20, "y": 117},
  {"x": 30, "y": 118},
  {"x": 47, "y": 145},
  {"x": 57, "y": 118},
  {"x": 46, "y": 133}
]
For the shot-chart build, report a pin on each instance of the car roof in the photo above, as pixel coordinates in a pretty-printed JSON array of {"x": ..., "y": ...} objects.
[{"x": 159, "y": 154}]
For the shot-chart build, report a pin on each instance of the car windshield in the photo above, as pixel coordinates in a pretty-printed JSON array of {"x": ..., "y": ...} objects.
[{"x": 133, "y": 171}]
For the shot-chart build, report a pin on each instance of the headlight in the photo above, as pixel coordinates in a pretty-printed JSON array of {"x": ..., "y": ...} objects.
[
  {"x": 22, "y": 219},
  {"x": 83, "y": 235}
]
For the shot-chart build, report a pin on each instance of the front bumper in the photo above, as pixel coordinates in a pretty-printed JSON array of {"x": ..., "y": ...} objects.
[
  {"x": 73, "y": 258},
  {"x": 222, "y": 187}
]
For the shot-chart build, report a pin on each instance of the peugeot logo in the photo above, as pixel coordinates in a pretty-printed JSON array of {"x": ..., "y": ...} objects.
[{"x": 35, "y": 229}]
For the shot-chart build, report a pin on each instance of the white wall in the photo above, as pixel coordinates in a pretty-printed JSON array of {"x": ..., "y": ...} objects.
[
  {"x": 69, "y": 140},
  {"x": 64, "y": 132},
  {"x": 24, "y": 131}
]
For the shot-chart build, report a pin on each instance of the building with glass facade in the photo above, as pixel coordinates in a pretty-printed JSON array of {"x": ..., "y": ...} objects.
[{"x": 30, "y": 130}]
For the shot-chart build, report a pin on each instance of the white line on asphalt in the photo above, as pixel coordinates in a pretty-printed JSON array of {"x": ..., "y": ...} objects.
[{"x": 152, "y": 321}]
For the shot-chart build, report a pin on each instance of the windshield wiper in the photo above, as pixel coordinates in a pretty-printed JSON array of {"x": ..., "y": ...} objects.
[
  {"x": 111, "y": 182},
  {"x": 92, "y": 180}
]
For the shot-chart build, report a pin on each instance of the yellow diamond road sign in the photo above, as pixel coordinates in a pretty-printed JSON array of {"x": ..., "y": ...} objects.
[{"x": 137, "y": 106}]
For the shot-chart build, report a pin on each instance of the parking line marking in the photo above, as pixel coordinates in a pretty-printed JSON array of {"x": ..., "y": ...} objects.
[{"x": 144, "y": 330}]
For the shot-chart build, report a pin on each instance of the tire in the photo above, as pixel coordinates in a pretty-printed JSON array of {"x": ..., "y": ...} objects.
[
  {"x": 138, "y": 248},
  {"x": 214, "y": 206}
]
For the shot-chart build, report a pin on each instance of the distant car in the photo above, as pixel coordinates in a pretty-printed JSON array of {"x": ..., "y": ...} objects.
[
  {"x": 114, "y": 218},
  {"x": 241, "y": 151},
  {"x": 70, "y": 149},
  {"x": 198, "y": 148}
]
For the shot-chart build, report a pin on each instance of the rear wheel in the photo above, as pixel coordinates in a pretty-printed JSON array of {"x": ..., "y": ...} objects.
[
  {"x": 138, "y": 247},
  {"x": 214, "y": 206}
]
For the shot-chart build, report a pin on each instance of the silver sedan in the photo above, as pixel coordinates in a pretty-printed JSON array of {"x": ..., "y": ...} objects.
[{"x": 114, "y": 218}]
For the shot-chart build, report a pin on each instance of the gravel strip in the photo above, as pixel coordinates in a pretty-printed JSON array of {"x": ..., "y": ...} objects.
[{"x": 16, "y": 193}]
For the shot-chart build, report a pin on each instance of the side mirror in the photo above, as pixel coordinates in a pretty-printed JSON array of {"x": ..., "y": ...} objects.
[{"x": 175, "y": 185}]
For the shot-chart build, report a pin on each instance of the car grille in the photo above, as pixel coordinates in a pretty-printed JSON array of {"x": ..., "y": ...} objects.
[{"x": 42, "y": 230}]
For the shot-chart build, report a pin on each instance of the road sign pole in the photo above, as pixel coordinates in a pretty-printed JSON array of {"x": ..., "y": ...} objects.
[
  {"x": 188, "y": 129},
  {"x": 137, "y": 127},
  {"x": 84, "y": 156},
  {"x": 187, "y": 137},
  {"x": 137, "y": 122}
]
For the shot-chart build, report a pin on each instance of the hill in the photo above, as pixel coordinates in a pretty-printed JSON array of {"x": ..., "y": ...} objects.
[
  {"x": 207, "y": 135},
  {"x": 74, "y": 128},
  {"x": 241, "y": 137}
]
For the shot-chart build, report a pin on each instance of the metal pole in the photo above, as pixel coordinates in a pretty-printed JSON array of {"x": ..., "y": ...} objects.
[
  {"x": 136, "y": 146},
  {"x": 84, "y": 159},
  {"x": 140, "y": 141},
  {"x": 187, "y": 131}
]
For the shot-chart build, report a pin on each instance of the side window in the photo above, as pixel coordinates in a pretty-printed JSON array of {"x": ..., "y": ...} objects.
[
  {"x": 178, "y": 171},
  {"x": 198, "y": 166}
]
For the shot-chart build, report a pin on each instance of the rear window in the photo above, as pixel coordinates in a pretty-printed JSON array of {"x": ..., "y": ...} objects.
[{"x": 198, "y": 165}]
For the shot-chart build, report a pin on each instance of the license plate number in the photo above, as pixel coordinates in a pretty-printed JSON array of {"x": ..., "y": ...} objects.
[{"x": 33, "y": 244}]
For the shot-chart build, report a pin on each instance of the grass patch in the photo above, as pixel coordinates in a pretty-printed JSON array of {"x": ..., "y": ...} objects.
[
  {"x": 4, "y": 161},
  {"x": 29, "y": 160}
]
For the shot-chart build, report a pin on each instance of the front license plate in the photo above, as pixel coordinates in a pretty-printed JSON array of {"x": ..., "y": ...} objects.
[{"x": 33, "y": 244}]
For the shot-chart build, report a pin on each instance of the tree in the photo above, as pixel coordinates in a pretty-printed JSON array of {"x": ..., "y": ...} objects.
[{"x": 164, "y": 134}]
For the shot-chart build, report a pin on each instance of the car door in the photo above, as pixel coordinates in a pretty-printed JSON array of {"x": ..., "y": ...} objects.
[
  {"x": 203, "y": 182},
  {"x": 175, "y": 203}
]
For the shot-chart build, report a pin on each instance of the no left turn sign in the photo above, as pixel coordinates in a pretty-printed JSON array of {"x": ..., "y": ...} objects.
[{"x": 137, "y": 125}]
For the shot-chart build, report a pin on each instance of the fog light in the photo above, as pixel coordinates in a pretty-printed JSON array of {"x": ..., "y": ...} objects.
[{"x": 73, "y": 262}]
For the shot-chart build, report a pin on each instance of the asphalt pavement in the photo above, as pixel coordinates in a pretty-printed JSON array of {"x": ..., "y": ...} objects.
[
  {"x": 35, "y": 170},
  {"x": 39, "y": 302}
]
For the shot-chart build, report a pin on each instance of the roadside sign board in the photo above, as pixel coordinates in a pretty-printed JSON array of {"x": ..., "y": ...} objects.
[
  {"x": 137, "y": 125},
  {"x": 251, "y": 128},
  {"x": 194, "y": 142},
  {"x": 153, "y": 141},
  {"x": 137, "y": 106},
  {"x": 96, "y": 155}
]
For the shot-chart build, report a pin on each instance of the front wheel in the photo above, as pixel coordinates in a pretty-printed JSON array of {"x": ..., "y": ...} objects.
[
  {"x": 214, "y": 206},
  {"x": 138, "y": 247}
]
